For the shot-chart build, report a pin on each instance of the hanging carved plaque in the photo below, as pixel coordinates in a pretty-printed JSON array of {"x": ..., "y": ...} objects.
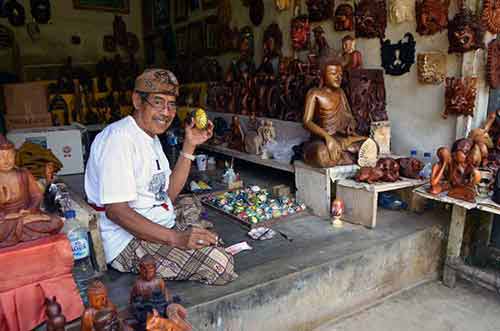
[
  {"x": 431, "y": 67},
  {"x": 344, "y": 18},
  {"x": 320, "y": 10},
  {"x": 460, "y": 96},
  {"x": 371, "y": 19},
  {"x": 432, "y": 16},
  {"x": 493, "y": 65},
  {"x": 397, "y": 59},
  {"x": 300, "y": 32},
  {"x": 401, "y": 10},
  {"x": 491, "y": 15},
  {"x": 465, "y": 32}
]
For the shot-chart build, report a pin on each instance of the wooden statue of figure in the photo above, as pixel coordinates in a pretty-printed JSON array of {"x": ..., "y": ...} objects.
[
  {"x": 328, "y": 116},
  {"x": 98, "y": 300},
  {"x": 369, "y": 175},
  {"x": 300, "y": 32},
  {"x": 267, "y": 132},
  {"x": 107, "y": 320},
  {"x": 493, "y": 64},
  {"x": 156, "y": 322},
  {"x": 20, "y": 197},
  {"x": 320, "y": 43},
  {"x": 410, "y": 167},
  {"x": 401, "y": 10},
  {"x": 237, "y": 137},
  {"x": 272, "y": 44},
  {"x": 344, "y": 18},
  {"x": 351, "y": 58},
  {"x": 440, "y": 170},
  {"x": 460, "y": 96},
  {"x": 463, "y": 176},
  {"x": 371, "y": 19},
  {"x": 56, "y": 321},
  {"x": 320, "y": 10},
  {"x": 390, "y": 169},
  {"x": 465, "y": 32},
  {"x": 253, "y": 138},
  {"x": 491, "y": 15},
  {"x": 432, "y": 16}
]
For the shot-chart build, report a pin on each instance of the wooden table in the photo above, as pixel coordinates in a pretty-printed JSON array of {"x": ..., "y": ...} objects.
[
  {"x": 360, "y": 199},
  {"x": 457, "y": 226}
]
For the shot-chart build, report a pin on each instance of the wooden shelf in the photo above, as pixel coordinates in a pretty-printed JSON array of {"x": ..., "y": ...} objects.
[{"x": 249, "y": 157}]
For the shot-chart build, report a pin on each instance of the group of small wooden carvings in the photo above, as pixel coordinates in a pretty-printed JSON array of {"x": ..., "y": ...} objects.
[
  {"x": 470, "y": 164},
  {"x": 152, "y": 307},
  {"x": 390, "y": 170}
]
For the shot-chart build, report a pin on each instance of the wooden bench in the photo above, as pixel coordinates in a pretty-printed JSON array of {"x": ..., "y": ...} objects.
[{"x": 360, "y": 199}]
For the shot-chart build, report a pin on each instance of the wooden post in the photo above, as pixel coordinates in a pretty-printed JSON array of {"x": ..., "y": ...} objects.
[{"x": 455, "y": 238}]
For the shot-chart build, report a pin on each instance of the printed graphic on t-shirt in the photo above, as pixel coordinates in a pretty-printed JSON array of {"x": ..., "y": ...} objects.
[{"x": 157, "y": 186}]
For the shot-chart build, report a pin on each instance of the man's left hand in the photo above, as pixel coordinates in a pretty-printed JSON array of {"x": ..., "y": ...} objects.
[{"x": 195, "y": 136}]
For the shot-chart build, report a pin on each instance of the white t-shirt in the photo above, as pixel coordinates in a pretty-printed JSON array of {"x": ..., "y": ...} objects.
[{"x": 128, "y": 165}]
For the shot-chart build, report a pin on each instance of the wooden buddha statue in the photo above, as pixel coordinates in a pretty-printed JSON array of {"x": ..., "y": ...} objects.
[
  {"x": 20, "y": 197},
  {"x": 328, "y": 116},
  {"x": 98, "y": 301}
]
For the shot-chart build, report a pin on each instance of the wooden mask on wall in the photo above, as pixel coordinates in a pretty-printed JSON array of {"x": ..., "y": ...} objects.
[
  {"x": 344, "y": 17},
  {"x": 320, "y": 10},
  {"x": 397, "y": 59},
  {"x": 401, "y": 10},
  {"x": 465, "y": 32},
  {"x": 491, "y": 15},
  {"x": 460, "y": 96},
  {"x": 300, "y": 32},
  {"x": 431, "y": 67},
  {"x": 366, "y": 93},
  {"x": 493, "y": 65},
  {"x": 371, "y": 19},
  {"x": 432, "y": 16}
]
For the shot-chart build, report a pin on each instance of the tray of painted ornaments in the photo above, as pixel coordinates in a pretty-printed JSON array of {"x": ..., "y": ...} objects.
[{"x": 253, "y": 206}]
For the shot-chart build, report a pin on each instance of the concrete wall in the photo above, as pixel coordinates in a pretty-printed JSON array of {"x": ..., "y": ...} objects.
[
  {"x": 413, "y": 108},
  {"x": 55, "y": 42}
]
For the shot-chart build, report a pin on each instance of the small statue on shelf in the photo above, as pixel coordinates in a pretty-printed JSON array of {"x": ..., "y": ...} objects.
[
  {"x": 390, "y": 169},
  {"x": 20, "y": 198},
  {"x": 352, "y": 59},
  {"x": 56, "y": 321},
  {"x": 463, "y": 176},
  {"x": 369, "y": 175},
  {"x": 98, "y": 301},
  {"x": 267, "y": 132},
  {"x": 410, "y": 167},
  {"x": 253, "y": 138},
  {"x": 237, "y": 137},
  {"x": 440, "y": 170}
]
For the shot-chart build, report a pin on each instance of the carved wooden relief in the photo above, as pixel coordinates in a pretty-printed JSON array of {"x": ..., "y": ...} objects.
[
  {"x": 366, "y": 93},
  {"x": 491, "y": 15},
  {"x": 344, "y": 18},
  {"x": 432, "y": 16},
  {"x": 401, "y": 10},
  {"x": 371, "y": 19},
  {"x": 300, "y": 32},
  {"x": 493, "y": 65},
  {"x": 465, "y": 32},
  {"x": 397, "y": 59},
  {"x": 460, "y": 96},
  {"x": 431, "y": 67},
  {"x": 320, "y": 10}
]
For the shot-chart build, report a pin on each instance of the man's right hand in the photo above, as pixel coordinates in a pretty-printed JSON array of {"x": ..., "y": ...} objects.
[{"x": 196, "y": 238}]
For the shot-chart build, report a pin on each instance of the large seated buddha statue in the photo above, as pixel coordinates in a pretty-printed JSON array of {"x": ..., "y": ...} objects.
[
  {"x": 329, "y": 118},
  {"x": 20, "y": 196}
]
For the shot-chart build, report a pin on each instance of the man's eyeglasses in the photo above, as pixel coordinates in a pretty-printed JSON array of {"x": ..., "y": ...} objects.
[{"x": 160, "y": 104}]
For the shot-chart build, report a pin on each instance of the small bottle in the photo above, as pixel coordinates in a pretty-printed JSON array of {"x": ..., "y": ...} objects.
[
  {"x": 172, "y": 148},
  {"x": 78, "y": 237},
  {"x": 427, "y": 169},
  {"x": 413, "y": 153}
]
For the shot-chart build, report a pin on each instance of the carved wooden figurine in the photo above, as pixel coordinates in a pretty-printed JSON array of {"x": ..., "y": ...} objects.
[
  {"x": 351, "y": 58},
  {"x": 390, "y": 169},
  {"x": 20, "y": 197},
  {"x": 369, "y": 175},
  {"x": 98, "y": 300},
  {"x": 460, "y": 96},
  {"x": 432, "y": 16},
  {"x": 440, "y": 170},
  {"x": 463, "y": 175},
  {"x": 253, "y": 138},
  {"x": 320, "y": 10},
  {"x": 465, "y": 32},
  {"x": 267, "y": 132},
  {"x": 397, "y": 59},
  {"x": 410, "y": 167},
  {"x": 155, "y": 322},
  {"x": 272, "y": 44},
  {"x": 431, "y": 67},
  {"x": 344, "y": 17},
  {"x": 107, "y": 320},
  {"x": 328, "y": 116},
  {"x": 56, "y": 321},
  {"x": 320, "y": 43},
  {"x": 371, "y": 19},
  {"x": 493, "y": 64},
  {"x": 300, "y": 32},
  {"x": 401, "y": 10},
  {"x": 491, "y": 15},
  {"x": 237, "y": 137}
]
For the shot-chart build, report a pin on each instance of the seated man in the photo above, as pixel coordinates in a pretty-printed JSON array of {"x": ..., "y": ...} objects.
[
  {"x": 20, "y": 198},
  {"x": 128, "y": 179}
]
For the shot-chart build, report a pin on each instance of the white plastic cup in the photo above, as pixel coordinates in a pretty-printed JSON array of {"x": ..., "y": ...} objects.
[{"x": 201, "y": 162}]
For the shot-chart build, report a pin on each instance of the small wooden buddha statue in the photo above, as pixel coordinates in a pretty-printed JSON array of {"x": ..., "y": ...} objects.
[
  {"x": 352, "y": 59},
  {"x": 98, "y": 300},
  {"x": 20, "y": 197},
  {"x": 56, "y": 321}
]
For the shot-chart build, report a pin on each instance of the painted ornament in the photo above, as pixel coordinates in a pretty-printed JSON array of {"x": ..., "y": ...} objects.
[{"x": 397, "y": 59}]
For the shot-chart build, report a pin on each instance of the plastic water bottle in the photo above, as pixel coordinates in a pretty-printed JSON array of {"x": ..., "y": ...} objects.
[
  {"x": 172, "y": 151},
  {"x": 78, "y": 237},
  {"x": 427, "y": 169},
  {"x": 413, "y": 153}
]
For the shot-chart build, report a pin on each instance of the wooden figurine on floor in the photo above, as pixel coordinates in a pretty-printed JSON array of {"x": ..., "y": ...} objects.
[
  {"x": 98, "y": 301},
  {"x": 56, "y": 321},
  {"x": 440, "y": 170},
  {"x": 20, "y": 197},
  {"x": 328, "y": 116}
]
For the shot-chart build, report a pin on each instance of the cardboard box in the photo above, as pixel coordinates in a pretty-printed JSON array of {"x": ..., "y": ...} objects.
[
  {"x": 24, "y": 121},
  {"x": 64, "y": 141},
  {"x": 26, "y": 98}
]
